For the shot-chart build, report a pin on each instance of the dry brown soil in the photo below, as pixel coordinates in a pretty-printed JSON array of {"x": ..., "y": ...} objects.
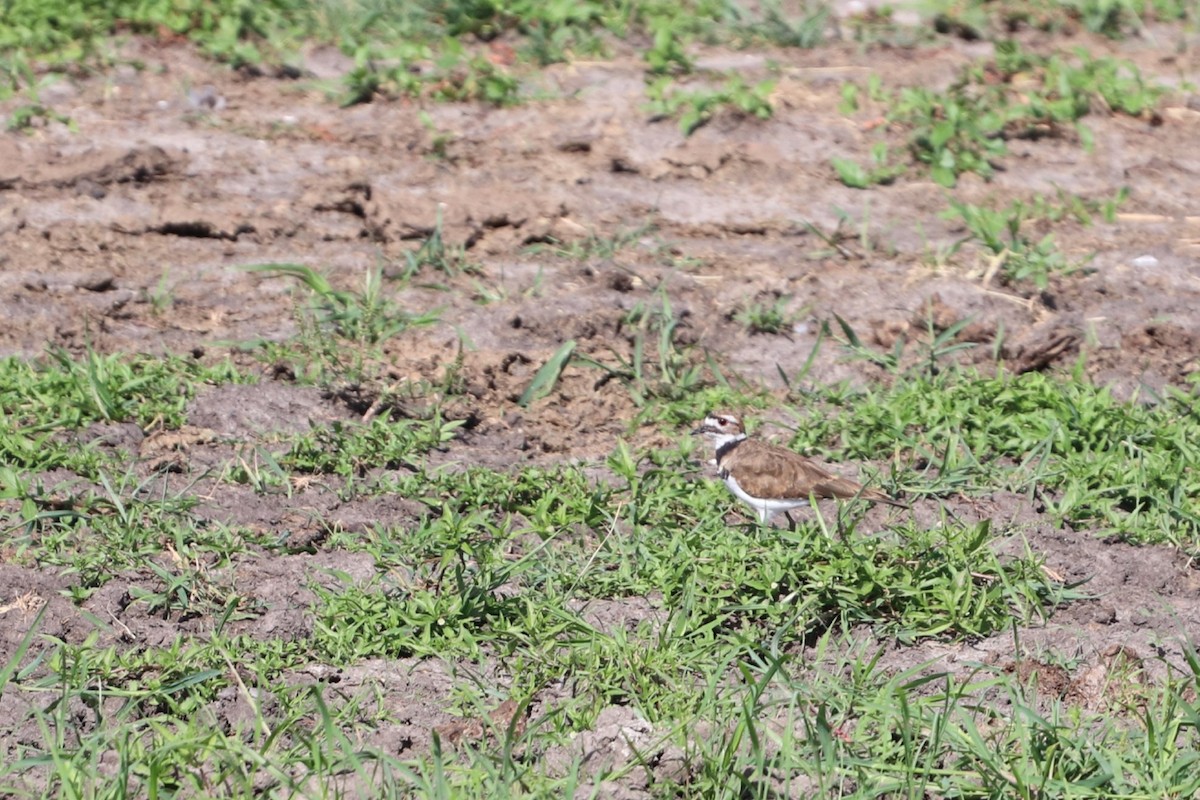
[{"x": 158, "y": 195}]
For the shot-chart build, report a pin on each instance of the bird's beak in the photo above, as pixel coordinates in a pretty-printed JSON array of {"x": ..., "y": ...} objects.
[{"x": 698, "y": 431}]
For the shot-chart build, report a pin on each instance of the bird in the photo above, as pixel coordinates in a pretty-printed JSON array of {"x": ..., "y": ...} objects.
[{"x": 769, "y": 478}]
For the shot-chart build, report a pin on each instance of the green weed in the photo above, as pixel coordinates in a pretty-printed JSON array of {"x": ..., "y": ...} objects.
[
  {"x": 547, "y": 376},
  {"x": 771, "y": 318},
  {"x": 350, "y": 450},
  {"x": 1017, "y": 95},
  {"x": 365, "y": 317},
  {"x": 341, "y": 331},
  {"x": 435, "y": 254},
  {"x": 33, "y": 115},
  {"x": 596, "y": 246},
  {"x": 1017, "y": 258},
  {"x": 657, "y": 366},
  {"x": 695, "y": 108},
  {"x": 880, "y": 171},
  {"x": 806, "y": 29},
  {"x": 667, "y": 55}
]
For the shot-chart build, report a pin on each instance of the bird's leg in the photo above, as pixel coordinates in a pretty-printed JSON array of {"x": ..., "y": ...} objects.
[{"x": 791, "y": 522}]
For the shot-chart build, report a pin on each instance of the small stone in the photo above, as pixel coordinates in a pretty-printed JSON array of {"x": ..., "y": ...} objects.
[
  {"x": 97, "y": 282},
  {"x": 568, "y": 230}
]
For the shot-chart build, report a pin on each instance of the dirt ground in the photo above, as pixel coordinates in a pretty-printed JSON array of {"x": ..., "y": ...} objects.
[{"x": 164, "y": 194}]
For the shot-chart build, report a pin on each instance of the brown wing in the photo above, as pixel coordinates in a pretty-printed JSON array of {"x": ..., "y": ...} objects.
[
  {"x": 845, "y": 488},
  {"x": 767, "y": 470}
]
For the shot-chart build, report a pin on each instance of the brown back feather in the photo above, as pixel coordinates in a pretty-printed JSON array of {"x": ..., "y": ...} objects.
[{"x": 767, "y": 470}]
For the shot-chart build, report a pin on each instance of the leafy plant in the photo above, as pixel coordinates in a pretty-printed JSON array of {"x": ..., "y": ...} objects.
[
  {"x": 772, "y": 318},
  {"x": 657, "y": 366},
  {"x": 1019, "y": 94},
  {"x": 350, "y": 450},
  {"x": 334, "y": 318},
  {"x": 365, "y": 317},
  {"x": 435, "y": 254},
  {"x": 695, "y": 108},
  {"x": 666, "y": 56},
  {"x": 31, "y": 114},
  {"x": 880, "y": 171},
  {"x": 1017, "y": 258},
  {"x": 806, "y": 29},
  {"x": 457, "y": 76},
  {"x": 595, "y": 245},
  {"x": 547, "y": 376}
]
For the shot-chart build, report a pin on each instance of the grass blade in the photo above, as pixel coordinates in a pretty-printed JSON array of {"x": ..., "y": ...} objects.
[
  {"x": 849, "y": 333},
  {"x": 544, "y": 381},
  {"x": 7, "y": 671},
  {"x": 314, "y": 280}
]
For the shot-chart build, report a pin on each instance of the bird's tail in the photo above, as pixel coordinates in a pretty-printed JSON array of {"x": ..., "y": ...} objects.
[{"x": 880, "y": 497}]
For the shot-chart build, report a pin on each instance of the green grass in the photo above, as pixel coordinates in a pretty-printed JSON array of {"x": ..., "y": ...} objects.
[
  {"x": 757, "y": 654},
  {"x": 659, "y": 371},
  {"x": 350, "y": 450},
  {"x": 836, "y": 723},
  {"x": 695, "y": 108},
  {"x": 504, "y": 564},
  {"x": 60, "y": 391},
  {"x": 392, "y": 43},
  {"x": 1119, "y": 468},
  {"x": 1115, "y": 19},
  {"x": 44, "y": 401},
  {"x": 342, "y": 331},
  {"x": 1017, "y": 95},
  {"x": 1003, "y": 233},
  {"x": 770, "y": 318}
]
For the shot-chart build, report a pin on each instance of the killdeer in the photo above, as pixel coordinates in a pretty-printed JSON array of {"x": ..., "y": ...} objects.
[{"x": 770, "y": 478}]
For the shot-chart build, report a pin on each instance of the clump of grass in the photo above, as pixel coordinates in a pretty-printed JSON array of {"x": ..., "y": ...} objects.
[
  {"x": 64, "y": 392},
  {"x": 457, "y": 76},
  {"x": 881, "y": 171},
  {"x": 658, "y": 366},
  {"x": 696, "y": 107},
  {"x": 349, "y": 450},
  {"x": 767, "y": 317},
  {"x": 1017, "y": 95},
  {"x": 94, "y": 534},
  {"x": 342, "y": 332},
  {"x": 1115, "y": 19},
  {"x": 365, "y": 317},
  {"x": 804, "y": 30},
  {"x": 42, "y": 401},
  {"x": 1091, "y": 459},
  {"x": 435, "y": 254},
  {"x": 1014, "y": 256},
  {"x": 596, "y": 246}
]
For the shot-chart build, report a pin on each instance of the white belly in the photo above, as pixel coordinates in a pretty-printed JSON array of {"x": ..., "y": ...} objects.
[{"x": 762, "y": 506}]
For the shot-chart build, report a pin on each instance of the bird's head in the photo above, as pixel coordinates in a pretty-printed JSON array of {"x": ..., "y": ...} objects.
[{"x": 721, "y": 427}]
